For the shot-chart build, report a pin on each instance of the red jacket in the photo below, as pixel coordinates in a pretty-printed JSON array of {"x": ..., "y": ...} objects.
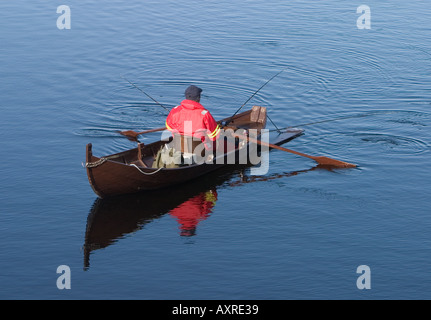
[{"x": 190, "y": 118}]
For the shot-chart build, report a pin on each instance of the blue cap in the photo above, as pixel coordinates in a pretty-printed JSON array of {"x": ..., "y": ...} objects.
[{"x": 193, "y": 93}]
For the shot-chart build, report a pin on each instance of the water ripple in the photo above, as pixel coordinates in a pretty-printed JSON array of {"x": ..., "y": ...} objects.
[
  {"x": 371, "y": 134},
  {"x": 399, "y": 145}
]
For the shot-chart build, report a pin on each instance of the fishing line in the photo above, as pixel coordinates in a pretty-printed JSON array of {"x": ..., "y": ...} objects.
[
  {"x": 146, "y": 94},
  {"x": 276, "y": 128}
]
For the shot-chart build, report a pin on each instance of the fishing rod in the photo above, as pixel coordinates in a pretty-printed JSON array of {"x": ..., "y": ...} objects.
[
  {"x": 133, "y": 135},
  {"x": 239, "y": 109},
  {"x": 146, "y": 94}
]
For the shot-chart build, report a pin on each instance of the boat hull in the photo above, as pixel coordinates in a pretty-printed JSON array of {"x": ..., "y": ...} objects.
[
  {"x": 125, "y": 173},
  {"x": 117, "y": 178}
]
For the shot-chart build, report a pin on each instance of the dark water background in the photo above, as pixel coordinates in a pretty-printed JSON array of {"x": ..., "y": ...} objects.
[{"x": 296, "y": 233}]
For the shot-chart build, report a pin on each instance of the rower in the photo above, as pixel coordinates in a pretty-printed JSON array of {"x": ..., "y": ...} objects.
[{"x": 191, "y": 125}]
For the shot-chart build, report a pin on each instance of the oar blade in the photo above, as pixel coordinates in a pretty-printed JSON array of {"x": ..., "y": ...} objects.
[
  {"x": 325, "y": 161},
  {"x": 129, "y": 133}
]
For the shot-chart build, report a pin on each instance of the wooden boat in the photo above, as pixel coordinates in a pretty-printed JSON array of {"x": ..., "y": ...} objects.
[{"x": 131, "y": 171}]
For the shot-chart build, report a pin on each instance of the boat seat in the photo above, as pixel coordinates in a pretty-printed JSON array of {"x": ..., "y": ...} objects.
[{"x": 258, "y": 114}]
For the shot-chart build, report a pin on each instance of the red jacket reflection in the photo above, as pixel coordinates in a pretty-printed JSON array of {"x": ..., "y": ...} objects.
[{"x": 193, "y": 211}]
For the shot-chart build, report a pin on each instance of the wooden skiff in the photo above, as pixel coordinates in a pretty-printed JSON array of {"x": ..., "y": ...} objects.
[{"x": 131, "y": 171}]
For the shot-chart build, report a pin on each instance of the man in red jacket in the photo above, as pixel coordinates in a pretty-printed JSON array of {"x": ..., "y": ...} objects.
[{"x": 192, "y": 123}]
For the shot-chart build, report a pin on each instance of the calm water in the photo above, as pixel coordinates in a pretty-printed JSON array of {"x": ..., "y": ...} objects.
[{"x": 296, "y": 233}]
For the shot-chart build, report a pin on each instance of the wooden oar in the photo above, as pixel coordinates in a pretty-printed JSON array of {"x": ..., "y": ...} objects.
[
  {"x": 133, "y": 135},
  {"x": 325, "y": 161}
]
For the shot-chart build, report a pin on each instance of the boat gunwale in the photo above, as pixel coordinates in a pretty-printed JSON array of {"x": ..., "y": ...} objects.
[
  {"x": 123, "y": 161},
  {"x": 150, "y": 169}
]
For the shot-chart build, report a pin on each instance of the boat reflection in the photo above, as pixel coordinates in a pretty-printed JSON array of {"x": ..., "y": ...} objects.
[{"x": 112, "y": 219}]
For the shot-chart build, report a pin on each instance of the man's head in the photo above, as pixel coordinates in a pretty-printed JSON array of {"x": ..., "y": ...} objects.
[{"x": 193, "y": 93}]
